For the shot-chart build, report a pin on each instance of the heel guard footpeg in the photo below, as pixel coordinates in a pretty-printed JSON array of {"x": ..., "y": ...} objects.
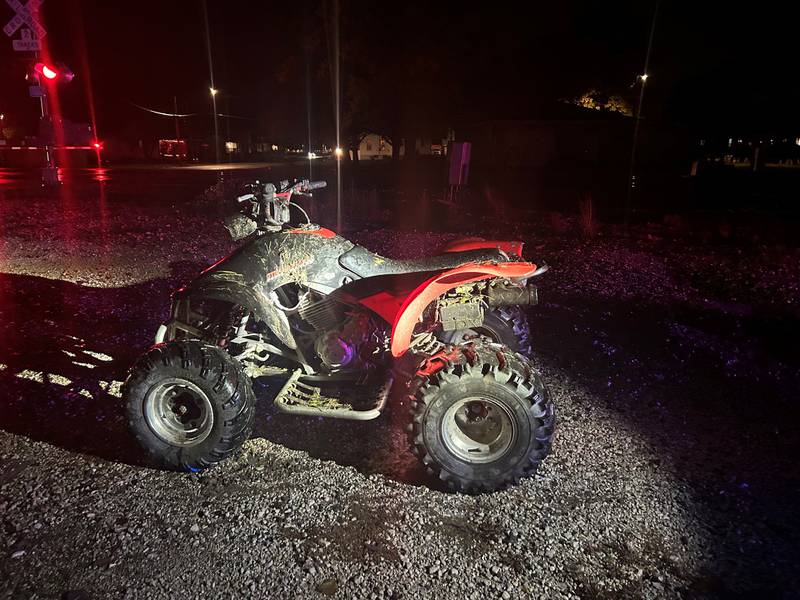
[{"x": 300, "y": 398}]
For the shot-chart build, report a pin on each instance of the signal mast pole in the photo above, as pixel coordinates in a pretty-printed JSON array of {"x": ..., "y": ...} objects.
[{"x": 50, "y": 171}]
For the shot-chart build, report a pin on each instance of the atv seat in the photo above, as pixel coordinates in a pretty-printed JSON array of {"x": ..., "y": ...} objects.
[{"x": 364, "y": 263}]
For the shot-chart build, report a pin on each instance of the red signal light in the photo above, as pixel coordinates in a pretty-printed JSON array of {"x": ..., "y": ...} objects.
[
  {"x": 51, "y": 73},
  {"x": 45, "y": 71}
]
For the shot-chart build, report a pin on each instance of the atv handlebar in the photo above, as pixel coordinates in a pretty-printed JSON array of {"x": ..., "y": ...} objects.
[
  {"x": 302, "y": 187},
  {"x": 267, "y": 191},
  {"x": 268, "y": 204}
]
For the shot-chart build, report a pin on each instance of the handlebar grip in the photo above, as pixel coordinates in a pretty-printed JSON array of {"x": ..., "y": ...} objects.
[
  {"x": 315, "y": 185},
  {"x": 245, "y": 197}
]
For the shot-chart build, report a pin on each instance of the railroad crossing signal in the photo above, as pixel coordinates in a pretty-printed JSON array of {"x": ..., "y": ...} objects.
[
  {"x": 25, "y": 14},
  {"x": 30, "y": 41}
]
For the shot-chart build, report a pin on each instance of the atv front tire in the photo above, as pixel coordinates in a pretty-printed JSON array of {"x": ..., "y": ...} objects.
[
  {"x": 189, "y": 404},
  {"x": 481, "y": 418}
]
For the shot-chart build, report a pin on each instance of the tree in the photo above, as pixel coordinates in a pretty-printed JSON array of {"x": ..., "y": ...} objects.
[{"x": 599, "y": 100}]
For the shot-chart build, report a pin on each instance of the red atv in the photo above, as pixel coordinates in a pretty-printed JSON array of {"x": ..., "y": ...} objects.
[{"x": 345, "y": 324}]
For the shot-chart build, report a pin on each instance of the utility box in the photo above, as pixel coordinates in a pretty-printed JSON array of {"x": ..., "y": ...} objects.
[{"x": 460, "y": 153}]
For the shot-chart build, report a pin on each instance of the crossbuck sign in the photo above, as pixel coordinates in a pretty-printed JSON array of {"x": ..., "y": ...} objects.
[{"x": 25, "y": 14}]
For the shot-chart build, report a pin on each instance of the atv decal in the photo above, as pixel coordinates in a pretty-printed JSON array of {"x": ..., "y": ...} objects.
[{"x": 291, "y": 271}]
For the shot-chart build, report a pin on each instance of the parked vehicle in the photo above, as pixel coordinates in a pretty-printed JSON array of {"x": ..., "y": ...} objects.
[{"x": 347, "y": 325}]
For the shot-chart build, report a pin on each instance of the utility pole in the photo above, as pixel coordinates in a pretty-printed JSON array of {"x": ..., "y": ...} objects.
[
  {"x": 637, "y": 118},
  {"x": 177, "y": 126},
  {"x": 332, "y": 23},
  {"x": 177, "y": 130},
  {"x": 338, "y": 105},
  {"x": 214, "y": 92},
  {"x": 213, "y": 89}
]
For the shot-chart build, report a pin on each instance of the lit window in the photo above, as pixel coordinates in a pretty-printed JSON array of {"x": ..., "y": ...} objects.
[{"x": 231, "y": 147}]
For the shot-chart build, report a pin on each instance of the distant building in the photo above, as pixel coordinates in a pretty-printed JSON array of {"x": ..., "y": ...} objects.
[
  {"x": 375, "y": 147},
  {"x": 173, "y": 149}
]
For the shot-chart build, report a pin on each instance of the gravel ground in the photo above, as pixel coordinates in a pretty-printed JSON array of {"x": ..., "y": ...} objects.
[{"x": 673, "y": 472}]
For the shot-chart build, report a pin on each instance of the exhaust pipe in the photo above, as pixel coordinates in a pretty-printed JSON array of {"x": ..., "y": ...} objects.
[
  {"x": 543, "y": 268},
  {"x": 508, "y": 295}
]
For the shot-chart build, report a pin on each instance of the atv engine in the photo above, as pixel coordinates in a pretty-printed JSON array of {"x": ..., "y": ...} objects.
[{"x": 342, "y": 332}]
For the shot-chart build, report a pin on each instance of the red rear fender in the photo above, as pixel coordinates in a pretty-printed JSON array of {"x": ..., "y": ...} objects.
[
  {"x": 409, "y": 311},
  {"x": 475, "y": 243}
]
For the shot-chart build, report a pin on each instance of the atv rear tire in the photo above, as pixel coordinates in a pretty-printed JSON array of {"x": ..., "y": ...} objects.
[
  {"x": 481, "y": 418},
  {"x": 507, "y": 325},
  {"x": 189, "y": 404}
]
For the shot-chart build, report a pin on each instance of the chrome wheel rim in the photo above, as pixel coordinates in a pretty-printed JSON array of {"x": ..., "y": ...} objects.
[
  {"x": 478, "y": 430},
  {"x": 178, "y": 412}
]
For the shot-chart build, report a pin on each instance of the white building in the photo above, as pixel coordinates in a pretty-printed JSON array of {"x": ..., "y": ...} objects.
[{"x": 374, "y": 147}]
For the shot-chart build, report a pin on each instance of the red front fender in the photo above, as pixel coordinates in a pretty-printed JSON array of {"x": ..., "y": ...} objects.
[{"x": 409, "y": 312}]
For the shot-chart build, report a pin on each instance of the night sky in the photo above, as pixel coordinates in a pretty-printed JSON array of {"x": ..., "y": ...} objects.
[{"x": 714, "y": 66}]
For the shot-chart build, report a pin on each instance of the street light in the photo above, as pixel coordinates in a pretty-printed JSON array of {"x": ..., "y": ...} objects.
[
  {"x": 214, "y": 91},
  {"x": 638, "y": 117},
  {"x": 98, "y": 146},
  {"x": 338, "y": 152}
]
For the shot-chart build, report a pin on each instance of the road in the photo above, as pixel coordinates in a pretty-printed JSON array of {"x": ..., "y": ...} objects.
[
  {"x": 163, "y": 175},
  {"x": 673, "y": 472}
]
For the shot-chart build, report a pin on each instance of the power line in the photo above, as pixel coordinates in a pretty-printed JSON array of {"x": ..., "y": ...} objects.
[
  {"x": 180, "y": 115},
  {"x": 162, "y": 113}
]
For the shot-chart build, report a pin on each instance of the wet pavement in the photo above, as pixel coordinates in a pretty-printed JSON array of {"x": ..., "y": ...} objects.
[{"x": 156, "y": 179}]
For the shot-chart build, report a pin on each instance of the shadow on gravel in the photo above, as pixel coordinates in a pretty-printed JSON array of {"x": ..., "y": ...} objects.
[
  {"x": 378, "y": 446},
  {"x": 64, "y": 352},
  {"x": 715, "y": 396}
]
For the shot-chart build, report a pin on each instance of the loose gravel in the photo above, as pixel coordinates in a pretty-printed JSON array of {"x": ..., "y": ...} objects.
[{"x": 672, "y": 475}]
